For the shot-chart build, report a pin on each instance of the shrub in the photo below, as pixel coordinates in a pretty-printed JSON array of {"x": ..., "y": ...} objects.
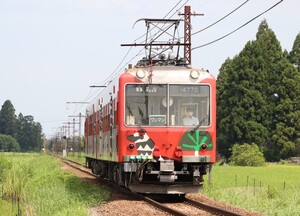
[
  {"x": 247, "y": 155},
  {"x": 8, "y": 143}
]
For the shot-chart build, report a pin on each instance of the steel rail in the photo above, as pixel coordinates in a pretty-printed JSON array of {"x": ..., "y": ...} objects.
[{"x": 209, "y": 208}]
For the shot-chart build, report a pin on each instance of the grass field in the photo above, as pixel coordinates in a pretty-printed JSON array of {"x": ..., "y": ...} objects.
[
  {"x": 44, "y": 189},
  {"x": 270, "y": 190}
]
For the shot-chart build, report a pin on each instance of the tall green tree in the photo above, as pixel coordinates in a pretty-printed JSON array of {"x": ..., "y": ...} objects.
[
  {"x": 286, "y": 118},
  {"x": 223, "y": 108},
  {"x": 282, "y": 96},
  {"x": 241, "y": 105},
  {"x": 29, "y": 133},
  {"x": 8, "y": 119},
  {"x": 252, "y": 93},
  {"x": 294, "y": 55}
]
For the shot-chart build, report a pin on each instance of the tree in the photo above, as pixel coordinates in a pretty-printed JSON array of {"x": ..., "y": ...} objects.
[
  {"x": 247, "y": 155},
  {"x": 258, "y": 98},
  {"x": 29, "y": 133},
  {"x": 294, "y": 55},
  {"x": 7, "y": 119},
  {"x": 241, "y": 104},
  {"x": 286, "y": 131},
  {"x": 8, "y": 143}
]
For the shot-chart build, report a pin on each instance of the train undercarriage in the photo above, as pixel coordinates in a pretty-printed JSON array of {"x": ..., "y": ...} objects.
[{"x": 160, "y": 177}]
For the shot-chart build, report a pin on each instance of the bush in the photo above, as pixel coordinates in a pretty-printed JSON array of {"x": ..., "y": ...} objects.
[
  {"x": 247, "y": 155},
  {"x": 8, "y": 143}
]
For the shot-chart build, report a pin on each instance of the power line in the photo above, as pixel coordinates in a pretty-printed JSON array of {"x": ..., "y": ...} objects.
[
  {"x": 220, "y": 38},
  {"x": 165, "y": 17},
  {"x": 116, "y": 71},
  {"x": 201, "y": 30}
]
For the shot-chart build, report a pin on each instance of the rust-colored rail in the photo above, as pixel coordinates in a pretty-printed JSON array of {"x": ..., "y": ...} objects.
[{"x": 211, "y": 209}]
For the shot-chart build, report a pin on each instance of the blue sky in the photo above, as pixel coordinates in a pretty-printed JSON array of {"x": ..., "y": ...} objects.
[{"x": 51, "y": 51}]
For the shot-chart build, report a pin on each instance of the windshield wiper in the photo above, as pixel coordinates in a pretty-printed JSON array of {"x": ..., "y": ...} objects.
[{"x": 200, "y": 123}]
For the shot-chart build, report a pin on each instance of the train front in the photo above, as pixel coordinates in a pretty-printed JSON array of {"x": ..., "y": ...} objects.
[{"x": 167, "y": 134}]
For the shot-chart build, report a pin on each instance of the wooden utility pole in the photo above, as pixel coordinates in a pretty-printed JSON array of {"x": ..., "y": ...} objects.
[{"x": 187, "y": 34}]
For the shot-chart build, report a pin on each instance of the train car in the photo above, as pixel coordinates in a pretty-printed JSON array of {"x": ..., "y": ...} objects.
[{"x": 153, "y": 128}]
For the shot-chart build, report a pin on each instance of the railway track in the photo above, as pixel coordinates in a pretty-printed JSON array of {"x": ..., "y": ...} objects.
[
  {"x": 179, "y": 207},
  {"x": 185, "y": 206}
]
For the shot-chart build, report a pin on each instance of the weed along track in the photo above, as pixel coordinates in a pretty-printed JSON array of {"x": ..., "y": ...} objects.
[{"x": 124, "y": 202}]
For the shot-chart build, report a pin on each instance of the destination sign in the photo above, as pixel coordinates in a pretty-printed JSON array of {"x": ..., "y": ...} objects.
[{"x": 146, "y": 89}]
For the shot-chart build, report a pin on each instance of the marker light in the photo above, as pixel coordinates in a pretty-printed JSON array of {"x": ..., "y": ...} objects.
[
  {"x": 156, "y": 152},
  {"x": 140, "y": 74},
  {"x": 150, "y": 157},
  {"x": 178, "y": 151},
  {"x": 131, "y": 146},
  {"x": 194, "y": 74}
]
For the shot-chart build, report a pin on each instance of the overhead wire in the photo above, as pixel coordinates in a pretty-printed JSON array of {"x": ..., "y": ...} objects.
[
  {"x": 116, "y": 72},
  {"x": 251, "y": 20},
  {"x": 165, "y": 17},
  {"x": 113, "y": 74},
  {"x": 219, "y": 20}
]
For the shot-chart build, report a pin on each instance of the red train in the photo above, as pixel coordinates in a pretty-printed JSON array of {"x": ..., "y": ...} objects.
[
  {"x": 140, "y": 132},
  {"x": 153, "y": 128}
]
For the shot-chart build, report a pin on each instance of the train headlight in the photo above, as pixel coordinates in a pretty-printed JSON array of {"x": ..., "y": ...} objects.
[
  {"x": 140, "y": 74},
  {"x": 204, "y": 147},
  {"x": 194, "y": 74}
]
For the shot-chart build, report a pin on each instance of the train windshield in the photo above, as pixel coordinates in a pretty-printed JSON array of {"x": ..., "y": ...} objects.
[{"x": 167, "y": 105}]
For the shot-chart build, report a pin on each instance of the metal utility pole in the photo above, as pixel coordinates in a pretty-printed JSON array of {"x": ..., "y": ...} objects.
[
  {"x": 187, "y": 34},
  {"x": 73, "y": 137},
  {"x": 79, "y": 133}
]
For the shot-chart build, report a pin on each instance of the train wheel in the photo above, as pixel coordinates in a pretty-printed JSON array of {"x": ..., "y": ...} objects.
[
  {"x": 94, "y": 167},
  {"x": 126, "y": 179},
  {"x": 115, "y": 174},
  {"x": 119, "y": 174}
]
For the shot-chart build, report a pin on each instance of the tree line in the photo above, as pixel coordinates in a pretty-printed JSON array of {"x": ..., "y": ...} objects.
[
  {"x": 258, "y": 98},
  {"x": 18, "y": 133}
]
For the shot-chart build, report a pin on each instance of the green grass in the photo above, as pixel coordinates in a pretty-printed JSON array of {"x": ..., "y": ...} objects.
[
  {"x": 45, "y": 189},
  {"x": 7, "y": 208},
  {"x": 271, "y": 190}
]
